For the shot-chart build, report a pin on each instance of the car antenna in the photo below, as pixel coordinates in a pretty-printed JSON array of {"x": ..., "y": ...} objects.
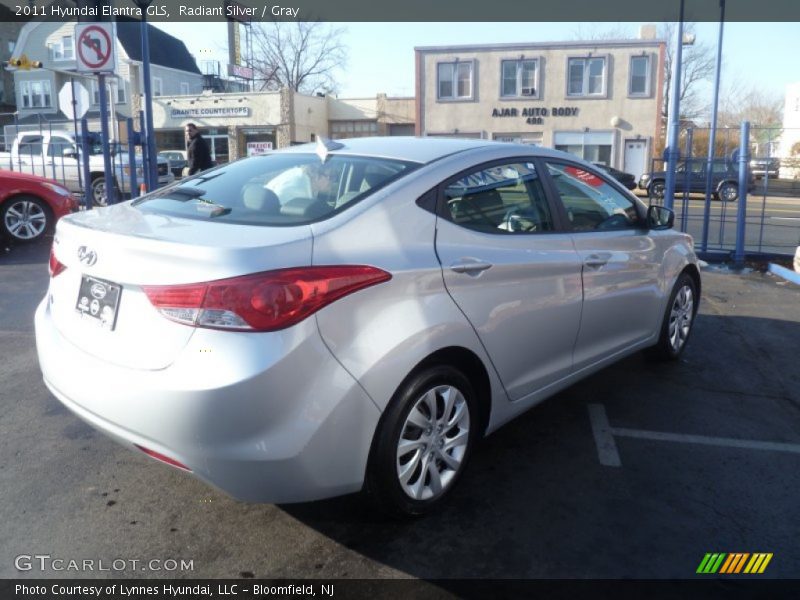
[{"x": 325, "y": 145}]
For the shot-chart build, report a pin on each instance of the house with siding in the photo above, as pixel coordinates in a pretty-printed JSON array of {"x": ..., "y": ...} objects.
[{"x": 172, "y": 68}]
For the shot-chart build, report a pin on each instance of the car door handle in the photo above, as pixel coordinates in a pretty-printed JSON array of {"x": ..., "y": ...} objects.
[
  {"x": 595, "y": 261},
  {"x": 470, "y": 266}
]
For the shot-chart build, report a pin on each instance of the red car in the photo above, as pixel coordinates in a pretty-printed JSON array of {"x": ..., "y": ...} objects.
[{"x": 30, "y": 205}]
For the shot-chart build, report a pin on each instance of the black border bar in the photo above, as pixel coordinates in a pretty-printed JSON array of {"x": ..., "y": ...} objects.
[{"x": 444, "y": 11}]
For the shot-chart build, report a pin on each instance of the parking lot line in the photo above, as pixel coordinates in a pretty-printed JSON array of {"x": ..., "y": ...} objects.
[
  {"x": 603, "y": 437},
  {"x": 609, "y": 456}
]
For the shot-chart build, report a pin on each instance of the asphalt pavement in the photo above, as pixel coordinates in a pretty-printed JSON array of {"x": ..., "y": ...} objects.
[{"x": 636, "y": 472}]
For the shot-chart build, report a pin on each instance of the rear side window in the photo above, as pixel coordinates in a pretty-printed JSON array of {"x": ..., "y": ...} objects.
[
  {"x": 500, "y": 199},
  {"x": 590, "y": 202},
  {"x": 277, "y": 189}
]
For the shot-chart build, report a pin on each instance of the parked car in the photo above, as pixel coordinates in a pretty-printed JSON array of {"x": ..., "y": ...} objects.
[
  {"x": 30, "y": 205},
  {"x": 769, "y": 167},
  {"x": 417, "y": 295},
  {"x": 55, "y": 154},
  {"x": 626, "y": 179},
  {"x": 724, "y": 180},
  {"x": 177, "y": 161}
]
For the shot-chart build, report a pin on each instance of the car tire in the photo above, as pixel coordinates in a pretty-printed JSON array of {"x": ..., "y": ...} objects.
[
  {"x": 655, "y": 191},
  {"x": 423, "y": 442},
  {"x": 728, "y": 192},
  {"x": 99, "y": 198},
  {"x": 25, "y": 219},
  {"x": 678, "y": 321}
]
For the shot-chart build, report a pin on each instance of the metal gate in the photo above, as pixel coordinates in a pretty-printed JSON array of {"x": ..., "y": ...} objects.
[{"x": 771, "y": 220}]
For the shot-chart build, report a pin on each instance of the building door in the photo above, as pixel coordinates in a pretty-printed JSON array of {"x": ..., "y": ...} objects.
[{"x": 635, "y": 154}]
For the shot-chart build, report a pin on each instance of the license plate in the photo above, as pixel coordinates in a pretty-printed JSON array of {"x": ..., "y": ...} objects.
[{"x": 99, "y": 299}]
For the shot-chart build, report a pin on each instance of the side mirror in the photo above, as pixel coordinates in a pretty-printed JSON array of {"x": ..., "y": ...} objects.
[
  {"x": 69, "y": 153},
  {"x": 659, "y": 217}
]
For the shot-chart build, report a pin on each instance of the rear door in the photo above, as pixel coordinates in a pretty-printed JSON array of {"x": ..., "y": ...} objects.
[
  {"x": 620, "y": 262},
  {"x": 511, "y": 270}
]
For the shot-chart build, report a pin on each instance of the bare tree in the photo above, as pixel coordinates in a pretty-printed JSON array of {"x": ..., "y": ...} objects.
[
  {"x": 301, "y": 55},
  {"x": 698, "y": 65}
]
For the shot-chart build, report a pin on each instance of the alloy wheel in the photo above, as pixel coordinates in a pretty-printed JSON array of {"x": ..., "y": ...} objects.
[
  {"x": 25, "y": 220},
  {"x": 433, "y": 443},
  {"x": 680, "y": 317}
]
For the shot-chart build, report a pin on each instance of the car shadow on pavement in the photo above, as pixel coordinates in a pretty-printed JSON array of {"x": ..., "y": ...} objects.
[{"x": 536, "y": 503}]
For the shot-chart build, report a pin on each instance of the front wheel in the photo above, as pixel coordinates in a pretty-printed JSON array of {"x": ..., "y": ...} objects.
[
  {"x": 25, "y": 218},
  {"x": 99, "y": 192},
  {"x": 656, "y": 190},
  {"x": 678, "y": 320},
  {"x": 423, "y": 442},
  {"x": 728, "y": 192}
]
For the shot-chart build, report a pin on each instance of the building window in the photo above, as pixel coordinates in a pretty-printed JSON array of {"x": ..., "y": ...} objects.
[
  {"x": 11, "y": 45},
  {"x": 587, "y": 77},
  {"x": 592, "y": 146},
  {"x": 36, "y": 94},
  {"x": 63, "y": 49},
  {"x": 184, "y": 88},
  {"x": 158, "y": 89},
  {"x": 520, "y": 78},
  {"x": 119, "y": 98},
  {"x": 639, "y": 84},
  {"x": 350, "y": 129},
  {"x": 454, "y": 80}
]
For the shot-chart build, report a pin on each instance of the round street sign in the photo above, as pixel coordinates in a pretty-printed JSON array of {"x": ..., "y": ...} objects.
[
  {"x": 95, "y": 47},
  {"x": 81, "y": 100}
]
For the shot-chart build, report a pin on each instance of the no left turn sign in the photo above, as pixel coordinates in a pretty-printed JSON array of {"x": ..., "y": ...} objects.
[{"x": 95, "y": 46}]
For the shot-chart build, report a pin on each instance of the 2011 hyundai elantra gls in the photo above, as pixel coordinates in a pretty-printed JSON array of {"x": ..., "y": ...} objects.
[{"x": 356, "y": 314}]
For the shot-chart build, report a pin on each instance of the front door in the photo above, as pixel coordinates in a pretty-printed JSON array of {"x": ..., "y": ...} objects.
[
  {"x": 620, "y": 263},
  {"x": 515, "y": 276},
  {"x": 635, "y": 155}
]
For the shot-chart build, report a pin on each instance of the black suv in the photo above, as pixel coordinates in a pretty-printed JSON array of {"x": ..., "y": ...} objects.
[{"x": 724, "y": 180}]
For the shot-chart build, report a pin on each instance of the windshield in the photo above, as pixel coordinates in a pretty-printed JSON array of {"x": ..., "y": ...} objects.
[{"x": 276, "y": 189}]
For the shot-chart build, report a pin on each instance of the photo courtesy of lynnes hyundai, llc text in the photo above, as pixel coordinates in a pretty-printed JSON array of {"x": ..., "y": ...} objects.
[{"x": 355, "y": 315}]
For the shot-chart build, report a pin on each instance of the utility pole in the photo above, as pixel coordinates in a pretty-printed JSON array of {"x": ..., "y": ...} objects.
[
  {"x": 672, "y": 151},
  {"x": 150, "y": 135}
]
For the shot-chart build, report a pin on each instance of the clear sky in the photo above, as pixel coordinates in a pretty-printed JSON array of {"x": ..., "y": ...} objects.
[{"x": 381, "y": 55}]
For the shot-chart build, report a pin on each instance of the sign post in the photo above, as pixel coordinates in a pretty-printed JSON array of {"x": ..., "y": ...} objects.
[{"x": 95, "y": 54}]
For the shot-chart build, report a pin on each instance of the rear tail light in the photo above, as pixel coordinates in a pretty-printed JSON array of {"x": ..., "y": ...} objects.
[
  {"x": 266, "y": 301},
  {"x": 54, "y": 266},
  {"x": 163, "y": 458}
]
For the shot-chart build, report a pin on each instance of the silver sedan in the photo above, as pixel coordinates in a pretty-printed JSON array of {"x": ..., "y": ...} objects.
[{"x": 355, "y": 315}]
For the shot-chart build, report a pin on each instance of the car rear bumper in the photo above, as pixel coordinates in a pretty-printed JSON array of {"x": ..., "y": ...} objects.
[{"x": 264, "y": 417}]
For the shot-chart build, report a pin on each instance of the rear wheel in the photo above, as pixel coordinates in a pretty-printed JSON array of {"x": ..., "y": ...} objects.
[
  {"x": 25, "y": 218},
  {"x": 423, "y": 442},
  {"x": 678, "y": 320}
]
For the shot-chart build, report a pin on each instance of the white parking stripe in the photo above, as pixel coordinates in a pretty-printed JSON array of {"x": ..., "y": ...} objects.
[
  {"x": 607, "y": 447},
  {"x": 603, "y": 437},
  {"x": 705, "y": 440}
]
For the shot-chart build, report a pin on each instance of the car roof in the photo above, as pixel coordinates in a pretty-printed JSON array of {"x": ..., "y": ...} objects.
[{"x": 419, "y": 149}]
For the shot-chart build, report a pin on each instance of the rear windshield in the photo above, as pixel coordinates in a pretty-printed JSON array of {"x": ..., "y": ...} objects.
[{"x": 277, "y": 189}]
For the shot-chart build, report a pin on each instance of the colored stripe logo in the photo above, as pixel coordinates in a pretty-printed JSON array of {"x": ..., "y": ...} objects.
[{"x": 734, "y": 563}]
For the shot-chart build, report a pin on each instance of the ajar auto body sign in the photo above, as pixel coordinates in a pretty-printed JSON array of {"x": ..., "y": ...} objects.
[
  {"x": 535, "y": 116},
  {"x": 224, "y": 111}
]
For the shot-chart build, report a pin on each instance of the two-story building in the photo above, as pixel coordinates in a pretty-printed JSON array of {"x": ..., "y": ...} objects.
[
  {"x": 173, "y": 71},
  {"x": 597, "y": 99}
]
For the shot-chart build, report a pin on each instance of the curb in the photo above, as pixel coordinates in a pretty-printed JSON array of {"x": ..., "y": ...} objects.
[{"x": 784, "y": 273}]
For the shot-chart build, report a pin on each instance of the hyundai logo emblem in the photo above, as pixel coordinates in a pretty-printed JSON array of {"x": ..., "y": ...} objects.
[
  {"x": 98, "y": 290},
  {"x": 87, "y": 256}
]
